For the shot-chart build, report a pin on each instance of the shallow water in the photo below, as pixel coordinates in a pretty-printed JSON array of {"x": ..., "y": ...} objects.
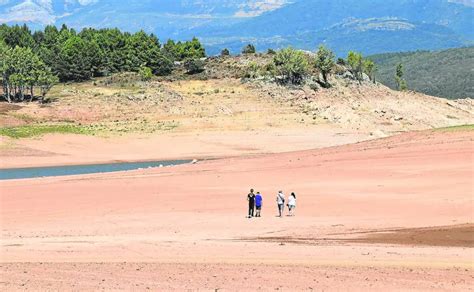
[{"x": 33, "y": 172}]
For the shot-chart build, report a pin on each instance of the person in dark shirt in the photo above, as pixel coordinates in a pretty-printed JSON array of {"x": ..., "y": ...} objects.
[
  {"x": 251, "y": 200},
  {"x": 258, "y": 204}
]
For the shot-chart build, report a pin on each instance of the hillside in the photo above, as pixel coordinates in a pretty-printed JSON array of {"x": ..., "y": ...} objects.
[
  {"x": 341, "y": 24},
  {"x": 218, "y": 100},
  {"x": 445, "y": 73}
]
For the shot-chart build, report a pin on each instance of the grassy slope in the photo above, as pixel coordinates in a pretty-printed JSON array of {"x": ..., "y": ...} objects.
[{"x": 445, "y": 73}]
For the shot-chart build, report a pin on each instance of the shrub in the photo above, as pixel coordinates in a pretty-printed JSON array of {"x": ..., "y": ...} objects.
[
  {"x": 194, "y": 66},
  {"x": 145, "y": 73},
  {"x": 270, "y": 69},
  {"x": 291, "y": 65},
  {"x": 252, "y": 71}
]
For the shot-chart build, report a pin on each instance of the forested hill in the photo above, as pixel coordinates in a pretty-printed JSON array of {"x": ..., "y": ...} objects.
[
  {"x": 30, "y": 60},
  {"x": 447, "y": 73}
]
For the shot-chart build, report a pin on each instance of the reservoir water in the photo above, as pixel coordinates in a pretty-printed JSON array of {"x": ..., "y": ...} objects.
[{"x": 33, "y": 172}]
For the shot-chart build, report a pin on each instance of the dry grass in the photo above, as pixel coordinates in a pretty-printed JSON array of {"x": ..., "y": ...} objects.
[{"x": 227, "y": 104}]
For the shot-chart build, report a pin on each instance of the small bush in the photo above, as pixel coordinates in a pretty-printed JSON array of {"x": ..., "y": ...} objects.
[
  {"x": 194, "y": 66},
  {"x": 269, "y": 70},
  {"x": 291, "y": 65},
  {"x": 252, "y": 71},
  {"x": 271, "y": 52},
  {"x": 145, "y": 73}
]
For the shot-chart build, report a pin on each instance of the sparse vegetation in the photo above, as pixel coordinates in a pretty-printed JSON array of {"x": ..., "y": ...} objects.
[
  {"x": 38, "y": 130},
  {"x": 469, "y": 127},
  {"x": 252, "y": 71},
  {"x": 291, "y": 66}
]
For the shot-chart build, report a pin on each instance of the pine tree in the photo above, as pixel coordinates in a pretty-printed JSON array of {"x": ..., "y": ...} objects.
[
  {"x": 401, "y": 83},
  {"x": 324, "y": 62}
]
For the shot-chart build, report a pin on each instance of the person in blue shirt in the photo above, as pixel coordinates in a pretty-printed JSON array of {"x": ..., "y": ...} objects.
[{"x": 258, "y": 204}]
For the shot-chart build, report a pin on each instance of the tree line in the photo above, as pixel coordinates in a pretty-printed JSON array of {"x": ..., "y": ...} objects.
[
  {"x": 293, "y": 66},
  {"x": 41, "y": 58}
]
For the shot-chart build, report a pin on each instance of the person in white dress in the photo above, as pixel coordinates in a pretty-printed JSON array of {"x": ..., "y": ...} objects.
[{"x": 292, "y": 204}]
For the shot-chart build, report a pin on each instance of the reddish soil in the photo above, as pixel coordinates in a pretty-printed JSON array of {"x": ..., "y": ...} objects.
[{"x": 185, "y": 228}]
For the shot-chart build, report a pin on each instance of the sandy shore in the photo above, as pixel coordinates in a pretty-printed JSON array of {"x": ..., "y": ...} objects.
[
  {"x": 184, "y": 227},
  {"x": 59, "y": 149}
]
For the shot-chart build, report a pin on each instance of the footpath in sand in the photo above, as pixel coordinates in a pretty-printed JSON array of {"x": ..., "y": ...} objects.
[{"x": 387, "y": 214}]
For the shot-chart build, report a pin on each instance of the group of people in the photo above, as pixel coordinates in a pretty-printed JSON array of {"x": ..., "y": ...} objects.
[{"x": 255, "y": 201}]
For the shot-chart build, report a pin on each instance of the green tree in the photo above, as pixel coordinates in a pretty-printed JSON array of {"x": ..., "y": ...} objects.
[
  {"x": 356, "y": 64},
  {"x": 75, "y": 62},
  {"x": 324, "y": 62},
  {"x": 17, "y": 36},
  {"x": 291, "y": 65},
  {"x": 45, "y": 81},
  {"x": 192, "y": 49},
  {"x": 145, "y": 73},
  {"x": 249, "y": 49},
  {"x": 184, "y": 50},
  {"x": 5, "y": 69},
  {"x": 90, "y": 53},
  {"x": 401, "y": 83},
  {"x": 170, "y": 49},
  {"x": 141, "y": 49},
  {"x": 370, "y": 68},
  {"x": 21, "y": 70}
]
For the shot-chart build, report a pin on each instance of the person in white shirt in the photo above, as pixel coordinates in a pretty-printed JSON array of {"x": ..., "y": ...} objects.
[
  {"x": 292, "y": 204},
  {"x": 280, "y": 199}
]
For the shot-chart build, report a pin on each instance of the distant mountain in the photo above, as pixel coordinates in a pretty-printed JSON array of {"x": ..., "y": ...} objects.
[
  {"x": 447, "y": 73},
  {"x": 369, "y": 26}
]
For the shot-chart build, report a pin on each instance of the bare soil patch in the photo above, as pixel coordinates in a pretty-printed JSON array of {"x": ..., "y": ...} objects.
[
  {"x": 6, "y": 107},
  {"x": 449, "y": 236},
  {"x": 457, "y": 235}
]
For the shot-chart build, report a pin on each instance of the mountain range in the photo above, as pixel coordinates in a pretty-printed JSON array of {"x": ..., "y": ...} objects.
[{"x": 368, "y": 26}]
